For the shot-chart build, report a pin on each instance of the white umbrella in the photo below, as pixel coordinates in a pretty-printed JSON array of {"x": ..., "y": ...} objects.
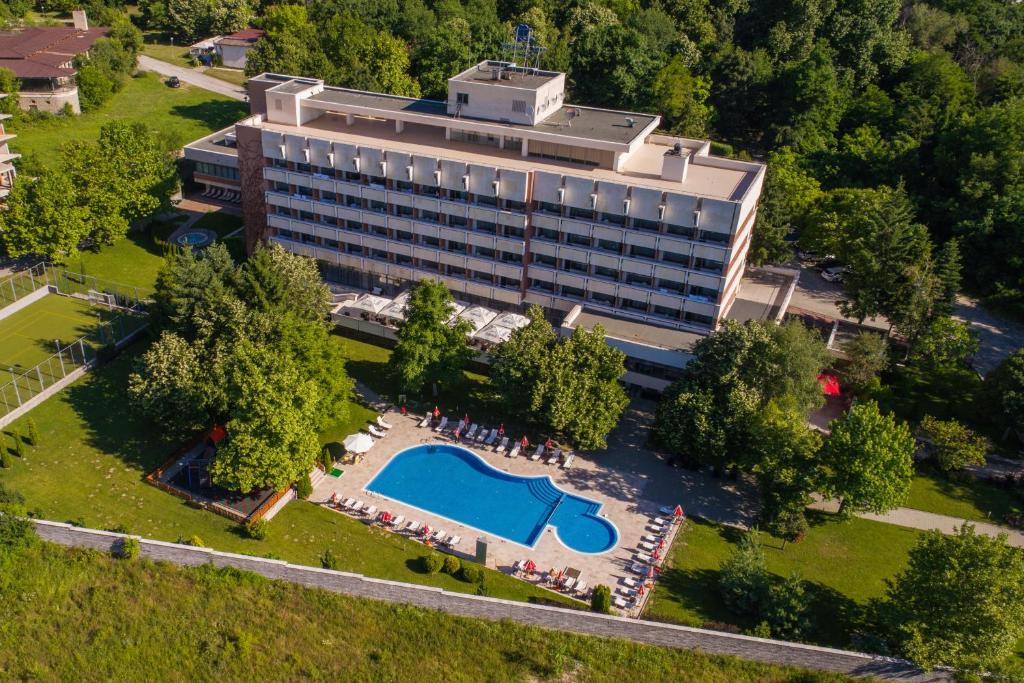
[{"x": 358, "y": 443}]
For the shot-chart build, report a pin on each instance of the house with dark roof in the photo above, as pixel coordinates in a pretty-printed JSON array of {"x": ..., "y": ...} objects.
[
  {"x": 42, "y": 58},
  {"x": 234, "y": 48}
]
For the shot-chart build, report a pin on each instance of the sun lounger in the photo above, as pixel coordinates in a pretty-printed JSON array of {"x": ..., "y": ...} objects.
[
  {"x": 349, "y": 502},
  {"x": 370, "y": 511},
  {"x": 358, "y": 506},
  {"x": 650, "y": 538},
  {"x": 514, "y": 453},
  {"x": 667, "y": 510},
  {"x": 568, "y": 583},
  {"x": 555, "y": 454},
  {"x": 381, "y": 423},
  {"x": 492, "y": 437},
  {"x": 638, "y": 568},
  {"x": 453, "y": 541},
  {"x": 439, "y": 535},
  {"x": 424, "y": 422},
  {"x": 649, "y": 547},
  {"x": 376, "y": 432},
  {"x": 626, "y": 581},
  {"x": 503, "y": 446},
  {"x": 397, "y": 521},
  {"x": 620, "y": 603},
  {"x": 657, "y": 529},
  {"x": 441, "y": 425},
  {"x": 628, "y": 592},
  {"x": 537, "y": 453},
  {"x": 581, "y": 588},
  {"x": 413, "y": 526},
  {"x": 568, "y": 461},
  {"x": 518, "y": 566},
  {"x": 482, "y": 436},
  {"x": 658, "y": 521},
  {"x": 472, "y": 432},
  {"x": 643, "y": 557}
]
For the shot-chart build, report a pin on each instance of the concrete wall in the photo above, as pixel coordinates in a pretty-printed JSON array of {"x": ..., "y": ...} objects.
[
  {"x": 652, "y": 633},
  {"x": 52, "y": 102}
]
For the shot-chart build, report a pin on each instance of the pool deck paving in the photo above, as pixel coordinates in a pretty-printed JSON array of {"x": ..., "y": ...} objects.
[{"x": 630, "y": 482}]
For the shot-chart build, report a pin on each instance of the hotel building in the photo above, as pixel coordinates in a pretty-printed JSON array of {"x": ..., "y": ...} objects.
[{"x": 505, "y": 192}]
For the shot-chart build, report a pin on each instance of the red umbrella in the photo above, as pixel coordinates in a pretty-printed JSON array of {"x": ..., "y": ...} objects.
[
  {"x": 641, "y": 590},
  {"x": 385, "y": 516},
  {"x": 403, "y": 409},
  {"x": 426, "y": 530},
  {"x": 829, "y": 384},
  {"x": 656, "y": 555},
  {"x": 437, "y": 413},
  {"x": 678, "y": 512},
  {"x": 547, "y": 444},
  {"x": 650, "y": 572},
  {"x": 661, "y": 544},
  {"x": 466, "y": 418},
  {"x": 524, "y": 442},
  {"x": 501, "y": 429},
  {"x": 334, "y": 497},
  {"x": 530, "y": 566}
]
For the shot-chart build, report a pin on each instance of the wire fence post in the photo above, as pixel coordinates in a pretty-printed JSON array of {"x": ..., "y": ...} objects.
[
  {"x": 14, "y": 381},
  {"x": 60, "y": 357}
]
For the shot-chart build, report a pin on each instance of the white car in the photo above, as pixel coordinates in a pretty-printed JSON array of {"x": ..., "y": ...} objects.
[{"x": 833, "y": 274}]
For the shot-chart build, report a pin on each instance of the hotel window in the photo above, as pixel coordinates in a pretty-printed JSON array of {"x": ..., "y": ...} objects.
[
  {"x": 671, "y": 285},
  {"x": 374, "y": 205},
  {"x": 280, "y": 187},
  {"x": 331, "y": 244},
  {"x": 403, "y": 186},
  {"x": 279, "y": 163},
  {"x": 579, "y": 240},
  {"x": 431, "y": 241},
  {"x": 634, "y": 305},
  {"x": 376, "y": 180},
  {"x": 574, "y": 266},
  {"x": 541, "y": 285},
  {"x": 487, "y": 226},
  {"x": 548, "y": 207},
  {"x": 429, "y": 190},
  {"x": 353, "y": 202},
  {"x": 354, "y": 249},
  {"x": 513, "y": 205},
  {"x": 324, "y": 171},
  {"x": 403, "y": 236},
  {"x": 486, "y": 199},
  {"x": 673, "y": 257},
  {"x": 666, "y": 312},
  {"x": 512, "y": 231},
  {"x": 509, "y": 257},
  {"x": 462, "y": 98},
  {"x": 714, "y": 237},
  {"x": 586, "y": 214},
  {"x": 680, "y": 230},
  {"x": 307, "y": 216},
  {"x": 483, "y": 252},
  {"x": 458, "y": 247},
  {"x": 458, "y": 195},
  {"x": 378, "y": 230},
  {"x": 326, "y": 196},
  {"x": 483, "y": 277},
  {"x": 457, "y": 271},
  {"x": 430, "y": 216},
  {"x": 697, "y": 318},
  {"x": 602, "y": 298},
  {"x": 354, "y": 226},
  {"x": 574, "y": 292},
  {"x": 510, "y": 283},
  {"x": 544, "y": 260},
  {"x": 641, "y": 280},
  {"x": 405, "y": 211},
  {"x": 282, "y": 210},
  {"x": 303, "y": 168},
  {"x": 644, "y": 224},
  {"x": 614, "y": 218},
  {"x": 707, "y": 264},
  {"x": 610, "y": 273},
  {"x": 353, "y": 176},
  {"x": 705, "y": 293},
  {"x": 379, "y": 254},
  {"x": 403, "y": 260},
  {"x": 546, "y": 234},
  {"x": 609, "y": 245},
  {"x": 457, "y": 221},
  {"x": 641, "y": 252},
  {"x": 428, "y": 265}
]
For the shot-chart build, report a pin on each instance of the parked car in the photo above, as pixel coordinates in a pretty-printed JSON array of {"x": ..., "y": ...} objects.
[
  {"x": 833, "y": 274},
  {"x": 174, "y": 82}
]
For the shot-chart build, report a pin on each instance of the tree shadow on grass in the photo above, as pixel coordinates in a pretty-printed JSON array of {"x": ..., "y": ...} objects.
[
  {"x": 216, "y": 114},
  {"x": 112, "y": 425}
]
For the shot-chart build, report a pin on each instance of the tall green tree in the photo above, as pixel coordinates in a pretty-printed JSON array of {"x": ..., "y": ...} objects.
[
  {"x": 867, "y": 355},
  {"x": 431, "y": 348},
  {"x": 952, "y": 445},
  {"x": 43, "y": 217},
  {"x": 681, "y": 98},
  {"x": 789, "y": 194},
  {"x": 868, "y": 460},
  {"x": 959, "y": 602},
  {"x": 946, "y": 342},
  {"x": 521, "y": 366},
  {"x": 1004, "y": 394}
]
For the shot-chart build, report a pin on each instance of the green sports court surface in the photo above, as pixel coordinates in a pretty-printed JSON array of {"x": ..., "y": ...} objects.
[{"x": 28, "y": 336}]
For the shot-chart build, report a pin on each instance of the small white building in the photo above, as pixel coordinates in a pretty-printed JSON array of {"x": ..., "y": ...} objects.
[{"x": 234, "y": 48}]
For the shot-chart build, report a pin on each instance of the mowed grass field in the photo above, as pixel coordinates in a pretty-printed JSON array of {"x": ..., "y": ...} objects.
[
  {"x": 81, "y": 615},
  {"x": 178, "y": 115},
  {"x": 29, "y": 336}
]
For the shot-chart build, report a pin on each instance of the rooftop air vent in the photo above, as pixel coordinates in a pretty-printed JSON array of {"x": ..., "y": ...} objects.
[{"x": 630, "y": 122}]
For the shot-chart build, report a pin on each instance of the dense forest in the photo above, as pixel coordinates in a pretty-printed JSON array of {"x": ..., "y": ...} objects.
[{"x": 894, "y": 131}]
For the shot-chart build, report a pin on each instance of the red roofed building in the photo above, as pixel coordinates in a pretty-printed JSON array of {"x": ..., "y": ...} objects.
[{"x": 43, "y": 60}]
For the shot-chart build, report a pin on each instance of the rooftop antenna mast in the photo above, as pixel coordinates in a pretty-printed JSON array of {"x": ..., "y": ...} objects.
[{"x": 523, "y": 51}]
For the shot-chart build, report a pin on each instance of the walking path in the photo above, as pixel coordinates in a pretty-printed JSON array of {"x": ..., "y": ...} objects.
[{"x": 193, "y": 77}]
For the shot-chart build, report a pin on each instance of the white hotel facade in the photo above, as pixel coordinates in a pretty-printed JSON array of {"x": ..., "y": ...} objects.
[{"x": 505, "y": 192}]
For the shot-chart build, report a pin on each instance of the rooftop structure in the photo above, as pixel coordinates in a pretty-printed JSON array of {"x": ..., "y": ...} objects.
[
  {"x": 504, "y": 191},
  {"x": 234, "y": 48},
  {"x": 42, "y": 57}
]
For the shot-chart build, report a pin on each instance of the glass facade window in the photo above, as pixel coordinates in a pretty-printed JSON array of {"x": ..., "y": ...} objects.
[
  {"x": 483, "y": 277},
  {"x": 379, "y": 181},
  {"x": 403, "y": 260},
  {"x": 509, "y": 257},
  {"x": 546, "y": 234},
  {"x": 484, "y": 252},
  {"x": 613, "y": 218},
  {"x": 579, "y": 240},
  {"x": 698, "y": 318},
  {"x": 405, "y": 211},
  {"x": 378, "y": 230},
  {"x": 279, "y": 163},
  {"x": 353, "y": 202},
  {"x": 457, "y": 271},
  {"x": 331, "y": 244},
  {"x": 458, "y": 247},
  {"x": 403, "y": 186},
  {"x": 680, "y": 230},
  {"x": 374, "y": 205},
  {"x": 428, "y": 265},
  {"x": 307, "y": 216},
  {"x": 644, "y": 224},
  {"x": 548, "y": 207},
  {"x": 708, "y": 264},
  {"x": 671, "y": 285},
  {"x": 574, "y": 292},
  {"x": 429, "y": 190},
  {"x": 513, "y": 231},
  {"x": 666, "y": 312},
  {"x": 610, "y": 246},
  {"x": 574, "y": 266},
  {"x": 355, "y": 226},
  {"x": 280, "y": 187},
  {"x": 641, "y": 252},
  {"x": 610, "y": 273},
  {"x": 634, "y": 305},
  {"x": 457, "y": 221},
  {"x": 431, "y": 241},
  {"x": 487, "y": 227},
  {"x": 403, "y": 236},
  {"x": 216, "y": 170},
  {"x": 641, "y": 280},
  {"x": 714, "y": 237},
  {"x": 703, "y": 293},
  {"x": 326, "y": 196},
  {"x": 508, "y": 282},
  {"x": 486, "y": 199},
  {"x": 303, "y": 168},
  {"x": 304, "y": 192},
  {"x": 353, "y": 249},
  {"x": 544, "y": 260},
  {"x": 379, "y": 254},
  {"x": 513, "y": 205},
  {"x": 282, "y": 210},
  {"x": 541, "y": 285},
  {"x": 353, "y": 176},
  {"x": 602, "y": 298},
  {"x": 458, "y": 195},
  {"x": 430, "y": 216},
  {"x": 673, "y": 257},
  {"x": 585, "y": 214}
]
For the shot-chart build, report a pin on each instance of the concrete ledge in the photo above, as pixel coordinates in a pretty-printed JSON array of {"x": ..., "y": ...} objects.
[{"x": 481, "y": 607}]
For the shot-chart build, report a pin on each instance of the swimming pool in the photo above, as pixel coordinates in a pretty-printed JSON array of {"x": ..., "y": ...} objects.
[{"x": 457, "y": 484}]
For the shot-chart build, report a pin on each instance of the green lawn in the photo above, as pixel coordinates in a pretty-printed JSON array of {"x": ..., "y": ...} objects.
[
  {"x": 133, "y": 261},
  {"x": 221, "y": 222},
  {"x": 27, "y": 337},
  {"x": 230, "y": 75},
  {"x": 978, "y": 501},
  {"x": 71, "y": 613},
  {"x": 844, "y": 563},
  {"x": 180, "y": 115},
  {"x": 95, "y": 451}
]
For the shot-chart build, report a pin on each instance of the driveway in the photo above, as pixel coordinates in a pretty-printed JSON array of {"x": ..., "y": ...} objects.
[
  {"x": 999, "y": 336},
  {"x": 193, "y": 77}
]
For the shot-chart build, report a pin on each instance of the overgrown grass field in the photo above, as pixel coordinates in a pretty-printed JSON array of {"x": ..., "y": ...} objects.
[
  {"x": 180, "y": 115},
  {"x": 80, "y": 615}
]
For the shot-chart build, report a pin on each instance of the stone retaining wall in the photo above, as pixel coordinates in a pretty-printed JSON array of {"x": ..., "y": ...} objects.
[{"x": 652, "y": 633}]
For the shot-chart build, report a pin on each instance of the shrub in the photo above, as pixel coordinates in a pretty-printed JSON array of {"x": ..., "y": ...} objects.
[
  {"x": 304, "y": 488},
  {"x": 195, "y": 541},
  {"x": 8, "y": 496},
  {"x": 432, "y": 563},
  {"x": 743, "y": 577},
  {"x": 452, "y": 565},
  {"x": 327, "y": 458},
  {"x": 601, "y": 599},
  {"x": 328, "y": 560},
  {"x": 16, "y": 532},
  {"x": 129, "y": 549},
  {"x": 787, "y": 609},
  {"x": 119, "y": 529},
  {"x": 19, "y": 444},
  {"x": 789, "y": 523},
  {"x": 33, "y": 431},
  {"x": 5, "y": 459},
  {"x": 257, "y": 530},
  {"x": 470, "y": 573}
]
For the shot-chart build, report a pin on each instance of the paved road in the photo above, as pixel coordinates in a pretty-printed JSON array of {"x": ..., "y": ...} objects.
[{"x": 192, "y": 77}]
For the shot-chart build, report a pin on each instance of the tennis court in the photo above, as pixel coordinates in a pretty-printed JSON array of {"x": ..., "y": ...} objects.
[{"x": 29, "y": 336}]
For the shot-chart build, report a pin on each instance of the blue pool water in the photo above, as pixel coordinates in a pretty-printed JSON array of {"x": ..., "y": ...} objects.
[{"x": 457, "y": 484}]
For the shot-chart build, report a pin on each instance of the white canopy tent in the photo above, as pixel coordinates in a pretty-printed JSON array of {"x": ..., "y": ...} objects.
[
  {"x": 394, "y": 312},
  {"x": 368, "y": 303},
  {"x": 478, "y": 317}
]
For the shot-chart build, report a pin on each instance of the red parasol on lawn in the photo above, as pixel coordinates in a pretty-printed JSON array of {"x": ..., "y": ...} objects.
[
  {"x": 437, "y": 413},
  {"x": 530, "y": 566},
  {"x": 524, "y": 443},
  {"x": 829, "y": 384},
  {"x": 501, "y": 429},
  {"x": 678, "y": 512}
]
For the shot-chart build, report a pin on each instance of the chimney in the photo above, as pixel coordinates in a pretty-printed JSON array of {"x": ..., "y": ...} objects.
[
  {"x": 675, "y": 164},
  {"x": 80, "y": 21}
]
